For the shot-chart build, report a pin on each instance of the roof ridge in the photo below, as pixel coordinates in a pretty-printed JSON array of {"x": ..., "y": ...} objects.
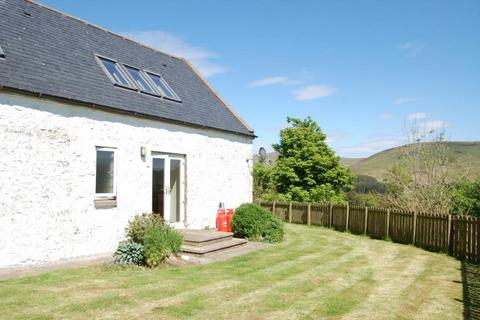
[{"x": 102, "y": 28}]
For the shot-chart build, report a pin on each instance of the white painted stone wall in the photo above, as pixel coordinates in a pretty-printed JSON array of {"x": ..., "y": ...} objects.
[{"x": 47, "y": 176}]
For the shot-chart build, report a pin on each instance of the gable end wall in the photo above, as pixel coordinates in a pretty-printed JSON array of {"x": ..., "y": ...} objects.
[{"x": 47, "y": 178}]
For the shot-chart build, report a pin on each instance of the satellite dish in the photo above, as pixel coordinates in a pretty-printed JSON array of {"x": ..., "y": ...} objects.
[{"x": 262, "y": 154}]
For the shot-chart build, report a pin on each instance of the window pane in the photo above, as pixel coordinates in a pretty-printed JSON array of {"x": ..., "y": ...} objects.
[
  {"x": 139, "y": 80},
  {"x": 114, "y": 70},
  {"x": 162, "y": 85},
  {"x": 158, "y": 188},
  {"x": 105, "y": 169}
]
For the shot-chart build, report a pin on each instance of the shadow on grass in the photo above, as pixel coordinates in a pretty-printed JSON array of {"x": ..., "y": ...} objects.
[{"x": 471, "y": 291}]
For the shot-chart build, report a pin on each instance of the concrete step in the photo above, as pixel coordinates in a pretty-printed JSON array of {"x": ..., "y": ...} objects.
[
  {"x": 200, "y": 238},
  {"x": 212, "y": 247}
]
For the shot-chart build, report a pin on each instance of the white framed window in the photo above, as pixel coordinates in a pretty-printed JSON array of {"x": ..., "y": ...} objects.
[
  {"x": 140, "y": 80},
  {"x": 162, "y": 86},
  {"x": 114, "y": 72},
  {"x": 105, "y": 173}
]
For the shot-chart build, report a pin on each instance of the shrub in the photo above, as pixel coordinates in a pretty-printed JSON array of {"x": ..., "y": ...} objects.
[
  {"x": 137, "y": 227},
  {"x": 256, "y": 223},
  {"x": 273, "y": 231},
  {"x": 129, "y": 253},
  {"x": 370, "y": 199},
  {"x": 160, "y": 241},
  {"x": 466, "y": 198},
  {"x": 173, "y": 241}
]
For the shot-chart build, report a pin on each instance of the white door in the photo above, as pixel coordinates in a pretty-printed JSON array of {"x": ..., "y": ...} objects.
[{"x": 168, "y": 188}]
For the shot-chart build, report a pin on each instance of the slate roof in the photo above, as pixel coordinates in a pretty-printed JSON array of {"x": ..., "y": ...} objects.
[{"x": 53, "y": 54}]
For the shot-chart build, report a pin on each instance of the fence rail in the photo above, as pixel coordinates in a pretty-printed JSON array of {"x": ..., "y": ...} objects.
[{"x": 458, "y": 236}]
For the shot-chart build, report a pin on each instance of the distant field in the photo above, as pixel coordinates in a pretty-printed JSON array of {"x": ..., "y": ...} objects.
[
  {"x": 465, "y": 154},
  {"x": 350, "y": 161}
]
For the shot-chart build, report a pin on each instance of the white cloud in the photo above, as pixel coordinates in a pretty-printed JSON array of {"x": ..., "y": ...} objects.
[
  {"x": 335, "y": 136},
  {"x": 270, "y": 81},
  {"x": 177, "y": 46},
  {"x": 403, "y": 100},
  {"x": 313, "y": 92},
  {"x": 368, "y": 148},
  {"x": 387, "y": 116},
  {"x": 417, "y": 116},
  {"x": 412, "y": 49}
]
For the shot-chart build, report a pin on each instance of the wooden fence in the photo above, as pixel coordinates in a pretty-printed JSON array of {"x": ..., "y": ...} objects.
[{"x": 458, "y": 236}]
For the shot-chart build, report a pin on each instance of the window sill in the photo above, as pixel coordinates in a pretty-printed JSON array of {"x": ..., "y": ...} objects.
[
  {"x": 125, "y": 86},
  {"x": 172, "y": 99},
  {"x": 105, "y": 203}
]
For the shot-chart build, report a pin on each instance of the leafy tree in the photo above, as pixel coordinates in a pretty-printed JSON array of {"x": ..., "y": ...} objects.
[
  {"x": 307, "y": 169},
  {"x": 262, "y": 179},
  {"x": 367, "y": 184},
  {"x": 466, "y": 198},
  {"x": 424, "y": 177}
]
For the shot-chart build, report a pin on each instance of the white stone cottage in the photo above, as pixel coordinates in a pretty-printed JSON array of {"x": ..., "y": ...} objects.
[{"x": 96, "y": 128}]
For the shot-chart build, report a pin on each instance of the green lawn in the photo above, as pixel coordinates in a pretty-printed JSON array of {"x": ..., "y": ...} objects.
[{"x": 315, "y": 274}]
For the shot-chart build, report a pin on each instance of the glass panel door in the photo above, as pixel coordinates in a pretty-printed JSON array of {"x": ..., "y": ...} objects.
[{"x": 168, "y": 188}]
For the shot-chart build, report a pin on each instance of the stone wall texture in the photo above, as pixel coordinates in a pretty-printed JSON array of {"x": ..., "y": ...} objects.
[{"x": 47, "y": 176}]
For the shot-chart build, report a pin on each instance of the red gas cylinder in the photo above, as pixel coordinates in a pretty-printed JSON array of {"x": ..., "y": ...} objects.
[
  {"x": 221, "y": 220},
  {"x": 229, "y": 216}
]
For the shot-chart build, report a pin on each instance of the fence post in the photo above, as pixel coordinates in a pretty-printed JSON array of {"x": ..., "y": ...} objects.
[
  {"x": 309, "y": 214},
  {"x": 449, "y": 239},
  {"x": 414, "y": 227},
  {"x": 388, "y": 223},
  {"x": 331, "y": 214},
  {"x": 348, "y": 216},
  {"x": 273, "y": 207},
  {"x": 290, "y": 212},
  {"x": 366, "y": 221}
]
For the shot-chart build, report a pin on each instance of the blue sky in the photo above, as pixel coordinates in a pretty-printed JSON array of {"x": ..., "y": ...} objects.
[{"x": 362, "y": 69}]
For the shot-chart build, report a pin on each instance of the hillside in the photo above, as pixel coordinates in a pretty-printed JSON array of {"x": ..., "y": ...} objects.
[
  {"x": 466, "y": 154},
  {"x": 350, "y": 161}
]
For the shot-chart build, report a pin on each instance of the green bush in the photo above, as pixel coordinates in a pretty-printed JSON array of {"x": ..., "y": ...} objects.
[
  {"x": 257, "y": 224},
  {"x": 160, "y": 241},
  {"x": 174, "y": 241},
  {"x": 466, "y": 198},
  {"x": 129, "y": 253},
  {"x": 371, "y": 199},
  {"x": 137, "y": 227},
  {"x": 273, "y": 231}
]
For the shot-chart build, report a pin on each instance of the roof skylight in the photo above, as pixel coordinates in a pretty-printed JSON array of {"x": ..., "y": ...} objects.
[
  {"x": 2, "y": 54},
  {"x": 136, "y": 79},
  {"x": 163, "y": 87},
  {"x": 140, "y": 80},
  {"x": 114, "y": 72}
]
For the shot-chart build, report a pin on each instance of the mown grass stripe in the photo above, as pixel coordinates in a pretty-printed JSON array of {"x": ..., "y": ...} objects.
[{"x": 315, "y": 273}]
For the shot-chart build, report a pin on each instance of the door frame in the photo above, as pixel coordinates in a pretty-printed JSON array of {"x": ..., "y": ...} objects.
[{"x": 167, "y": 192}]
